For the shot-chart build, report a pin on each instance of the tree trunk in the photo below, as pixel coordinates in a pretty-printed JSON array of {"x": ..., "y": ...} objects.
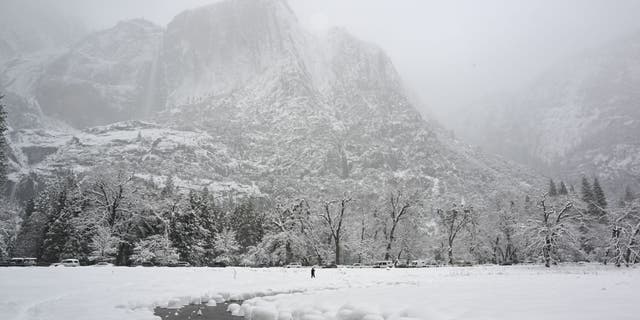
[
  {"x": 288, "y": 253},
  {"x": 387, "y": 255},
  {"x": 546, "y": 252},
  {"x": 337, "y": 262}
]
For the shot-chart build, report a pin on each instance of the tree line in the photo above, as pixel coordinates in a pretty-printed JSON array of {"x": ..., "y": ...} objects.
[{"x": 115, "y": 216}]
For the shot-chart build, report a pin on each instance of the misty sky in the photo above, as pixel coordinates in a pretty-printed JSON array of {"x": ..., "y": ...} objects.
[{"x": 450, "y": 53}]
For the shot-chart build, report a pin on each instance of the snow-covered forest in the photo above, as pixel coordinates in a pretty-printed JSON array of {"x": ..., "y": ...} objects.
[{"x": 112, "y": 216}]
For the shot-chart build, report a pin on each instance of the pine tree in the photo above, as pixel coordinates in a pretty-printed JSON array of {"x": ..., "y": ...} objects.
[
  {"x": 587, "y": 191},
  {"x": 629, "y": 195},
  {"x": 588, "y": 197},
  {"x": 248, "y": 224},
  {"x": 598, "y": 194},
  {"x": 64, "y": 237},
  {"x": 553, "y": 192},
  {"x": 563, "y": 189},
  {"x": 169, "y": 187},
  {"x": 187, "y": 234},
  {"x": 3, "y": 145}
]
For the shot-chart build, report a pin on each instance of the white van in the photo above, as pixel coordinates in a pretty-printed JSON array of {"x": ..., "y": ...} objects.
[
  {"x": 70, "y": 263},
  {"x": 384, "y": 264}
]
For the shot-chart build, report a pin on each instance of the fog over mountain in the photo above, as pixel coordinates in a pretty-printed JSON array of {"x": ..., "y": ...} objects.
[{"x": 450, "y": 53}]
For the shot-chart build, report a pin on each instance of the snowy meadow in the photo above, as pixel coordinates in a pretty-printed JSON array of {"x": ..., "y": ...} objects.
[{"x": 485, "y": 292}]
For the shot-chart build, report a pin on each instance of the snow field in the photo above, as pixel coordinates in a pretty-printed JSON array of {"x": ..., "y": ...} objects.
[{"x": 521, "y": 292}]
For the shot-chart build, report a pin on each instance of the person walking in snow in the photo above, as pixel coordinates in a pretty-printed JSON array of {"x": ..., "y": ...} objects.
[{"x": 313, "y": 272}]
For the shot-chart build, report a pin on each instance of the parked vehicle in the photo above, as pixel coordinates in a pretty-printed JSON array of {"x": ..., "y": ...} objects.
[
  {"x": 294, "y": 265},
  {"x": 144, "y": 264},
  {"x": 419, "y": 264},
  {"x": 104, "y": 264},
  {"x": 463, "y": 263},
  {"x": 383, "y": 264},
  {"x": 24, "y": 262},
  {"x": 357, "y": 265},
  {"x": 402, "y": 264},
  {"x": 67, "y": 263},
  {"x": 181, "y": 264},
  {"x": 217, "y": 265},
  {"x": 330, "y": 266},
  {"x": 70, "y": 262},
  {"x": 20, "y": 262}
]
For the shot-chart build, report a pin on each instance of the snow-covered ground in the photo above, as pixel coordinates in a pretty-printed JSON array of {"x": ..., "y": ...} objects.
[{"x": 522, "y": 292}]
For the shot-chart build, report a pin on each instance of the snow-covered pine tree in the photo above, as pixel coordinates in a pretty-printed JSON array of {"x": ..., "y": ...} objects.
[
  {"x": 29, "y": 242},
  {"x": 9, "y": 227},
  {"x": 563, "y": 189},
  {"x": 588, "y": 197},
  {"x": 587, "y": 191},
  {"x": 227, "y": 246},
  {"x": 212, "y": 221},
  {"x": 553, "y": 191},
  {"x": 3, "y": 147},
  {"x": 629, "y": 195},
  {"x": 169, "y": 187},
  {"x": 598, "y": 194},
  {"x": 63, "y": 237},
  {"x": 248, "y": 224},
  {"x": 187, "y": 234}
]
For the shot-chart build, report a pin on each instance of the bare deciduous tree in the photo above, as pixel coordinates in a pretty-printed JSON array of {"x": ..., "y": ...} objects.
[
  {"x": 109, "y": 195},
  {"x": 552, "y": 228},
  {"x": 453, "y": 222},
  {"x": 334, "y": 221},
  {"x": 399, "y": 208},
  {"x": 625, "y": 231}
]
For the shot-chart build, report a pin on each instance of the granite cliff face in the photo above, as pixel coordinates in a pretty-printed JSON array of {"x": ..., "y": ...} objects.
[{"x": 236, "y": 96}]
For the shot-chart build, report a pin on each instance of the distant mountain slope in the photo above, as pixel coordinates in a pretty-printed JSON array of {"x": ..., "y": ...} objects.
[
  {"x": 109, "y": 76},
  {"x": 580, "y": 118},
  {"x": 253, "y": 101}
]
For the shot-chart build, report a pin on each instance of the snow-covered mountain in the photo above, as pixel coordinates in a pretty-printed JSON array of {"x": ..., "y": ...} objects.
[
  {"x": 32, "y": 33},
  {"x": 251, "y": 103},
  {"x": 582, "y": 117},
  {"x": 109, "y": 76}
]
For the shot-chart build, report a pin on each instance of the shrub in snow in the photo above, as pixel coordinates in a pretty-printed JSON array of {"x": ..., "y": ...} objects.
[{"x": 233, "y": 308}]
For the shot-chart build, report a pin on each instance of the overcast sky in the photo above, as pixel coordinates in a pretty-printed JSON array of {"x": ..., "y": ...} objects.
[{"x": 450, "y": 52}]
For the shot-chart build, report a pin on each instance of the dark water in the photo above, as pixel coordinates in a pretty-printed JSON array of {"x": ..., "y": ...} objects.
[{"x": 218, "y": 312}]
